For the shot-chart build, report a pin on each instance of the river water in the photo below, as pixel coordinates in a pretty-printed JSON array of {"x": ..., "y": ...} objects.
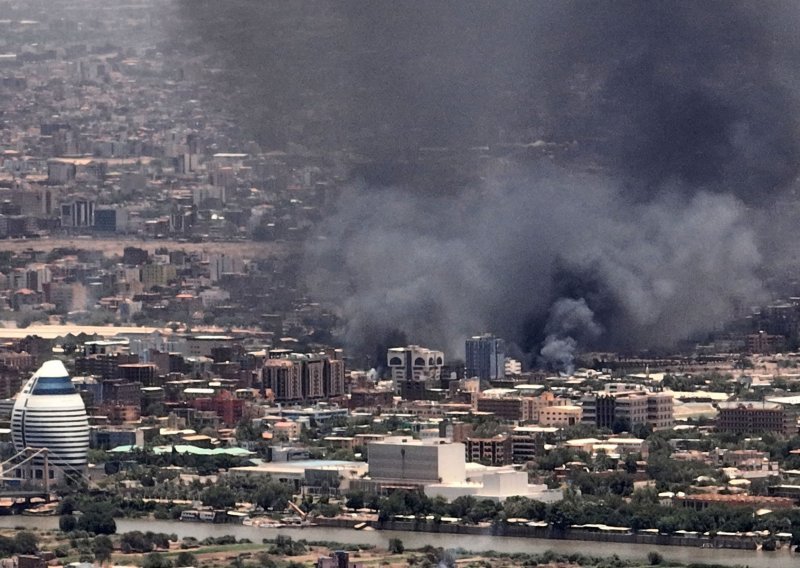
[{"x": 473, "y": 543}]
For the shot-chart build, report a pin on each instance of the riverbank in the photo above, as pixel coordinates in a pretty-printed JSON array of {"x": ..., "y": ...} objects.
[
  {"x": 727, "y": 541},
  {"x": 416, "y": 539}
]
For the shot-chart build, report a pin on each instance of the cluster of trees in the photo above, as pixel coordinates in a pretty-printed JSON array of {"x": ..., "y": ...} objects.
[
  {"x": 157, "y": 560},
  {"x": 431, "y": 557},
  {"x": 551, "y": 558},
  {"x": 157, "y": 483},
  {"x": 137, "y": 541},
  {"x": 641, "y": 511},
  {"x": 99, "y": 508},
  {"x": 24, "y": 542},
  {"x": 95, "y": 518},
  {"x": 714, "y": 382},
  {"x": 561, "y": 456},
  {"x": 284, "y": 546},
  {"x": 417, "y": 503},
  {"x": 204, "y": 465},
  {"x": 98, "y": 548},
  {"x": 263, "y": 492},
  {"x": 616, "y": 477}
]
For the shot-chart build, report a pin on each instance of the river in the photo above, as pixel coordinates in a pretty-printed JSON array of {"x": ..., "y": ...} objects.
[{"x": 473, "y": 543}]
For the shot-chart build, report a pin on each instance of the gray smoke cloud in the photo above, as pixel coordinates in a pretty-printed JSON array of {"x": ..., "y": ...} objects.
[
  {"x": 561, "y": 252},
  {"x": 566, "y": 174},
  {"x": 568, "y": 321},
  {"x": 667, "y": 93}
]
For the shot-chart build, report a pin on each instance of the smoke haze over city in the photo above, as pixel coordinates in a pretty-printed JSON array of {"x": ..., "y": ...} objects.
[{"x": 568, "y": 175}]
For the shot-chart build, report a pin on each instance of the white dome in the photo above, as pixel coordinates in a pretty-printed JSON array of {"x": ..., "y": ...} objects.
[{"x": 49, "y": 413}]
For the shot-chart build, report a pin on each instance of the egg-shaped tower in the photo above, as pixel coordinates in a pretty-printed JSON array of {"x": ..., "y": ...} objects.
[{"x": 49, "y": 413}]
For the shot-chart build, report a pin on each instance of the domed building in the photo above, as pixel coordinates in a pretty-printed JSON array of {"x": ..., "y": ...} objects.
[{"x": 49, "y": 413}]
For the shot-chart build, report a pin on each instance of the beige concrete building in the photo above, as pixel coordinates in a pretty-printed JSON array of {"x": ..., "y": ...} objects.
[{"x": 561, "y": 416}]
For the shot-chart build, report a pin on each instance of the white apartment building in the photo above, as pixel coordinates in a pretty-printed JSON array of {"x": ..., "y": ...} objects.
[{"x": 414, "y": 363}]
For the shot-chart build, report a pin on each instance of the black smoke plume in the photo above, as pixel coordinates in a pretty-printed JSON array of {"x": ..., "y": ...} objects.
[{"x": 516, "y": 157}]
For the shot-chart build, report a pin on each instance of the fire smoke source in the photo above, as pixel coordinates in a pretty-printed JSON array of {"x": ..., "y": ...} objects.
[
  {"x": 626, "y": 150},
  {"x": 547, "y": 257}
]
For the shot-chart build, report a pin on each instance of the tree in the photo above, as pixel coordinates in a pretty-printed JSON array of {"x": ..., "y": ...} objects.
[
  {"x": 630, "y": 463},
  {"x": 102, "y": 548},
  {"x": 355, "y": 500},
  {"x": 97, "y": 456},
  {"x": 620, "y": 484},
  {"x": 438, "y": 557},
  {"x": 655, "y": 558},
  {"x": 373, "y": 502},
  {"x": 246, "y": 431},
  {"x": 561, "y": 515},
  {"x": 462, "y": 506},
  {"x": 26, "y": 542},
  {"x": 484, "y": 510},
  {"x": 7, "y": 546},
  {"x": 603, "y": 462},
  {"x": 285, "y": 546},
  {"x": 219, "y": 497},
  {"x": 185, "y": 559},
  {"x": 642, "y": 431},
  {"x": 396, "y": 546},
  {"x": 668, "y": 524},
  {"x": 621, "y": 425},
  {"x": 265, "y": 561},
  {"x": 97, "y": 520},
  {"x": 67, "y": 523},
  {"x": 66, "y": 507},
  {"x": 273, "y": 495},
  {"x": 85, "y": 553},
  {"x": 156, "y": 560},
  {"x": 135, "y": 541}
]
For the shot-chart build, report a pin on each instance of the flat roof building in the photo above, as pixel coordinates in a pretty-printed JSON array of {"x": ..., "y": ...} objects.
[
  {"x": 754, "y": 417},
  {"x": 403, "y": 458}
]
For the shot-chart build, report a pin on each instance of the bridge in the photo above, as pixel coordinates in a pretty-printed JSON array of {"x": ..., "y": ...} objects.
[{"x": 22, "y": 490}]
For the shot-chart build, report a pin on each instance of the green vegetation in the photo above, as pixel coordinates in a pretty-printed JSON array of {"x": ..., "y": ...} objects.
[
  {"x": 95, "y": 518},
  {"x": 24, "y": 542},
  {"x": 99, "y": 507},
  {"x": 285, "y": 546},
  {"x": 642, "y": 511}
]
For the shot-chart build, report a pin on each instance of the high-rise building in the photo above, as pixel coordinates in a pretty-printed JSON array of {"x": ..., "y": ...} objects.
[
  {"x": 219, "y": 264},
  {"x": 414, "y": 363},
  {"x": 157, "y": 275},
  {"x": 296, "y": 377},
  {"x": 333, "y": 374},
  {"x": 49, "y": 413},
  {"x": 78, "y": 212},
  {"x": 284, "y": 379},
  {"x": 486, "y": 357},
  {"x": 111, "y": 219}
]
